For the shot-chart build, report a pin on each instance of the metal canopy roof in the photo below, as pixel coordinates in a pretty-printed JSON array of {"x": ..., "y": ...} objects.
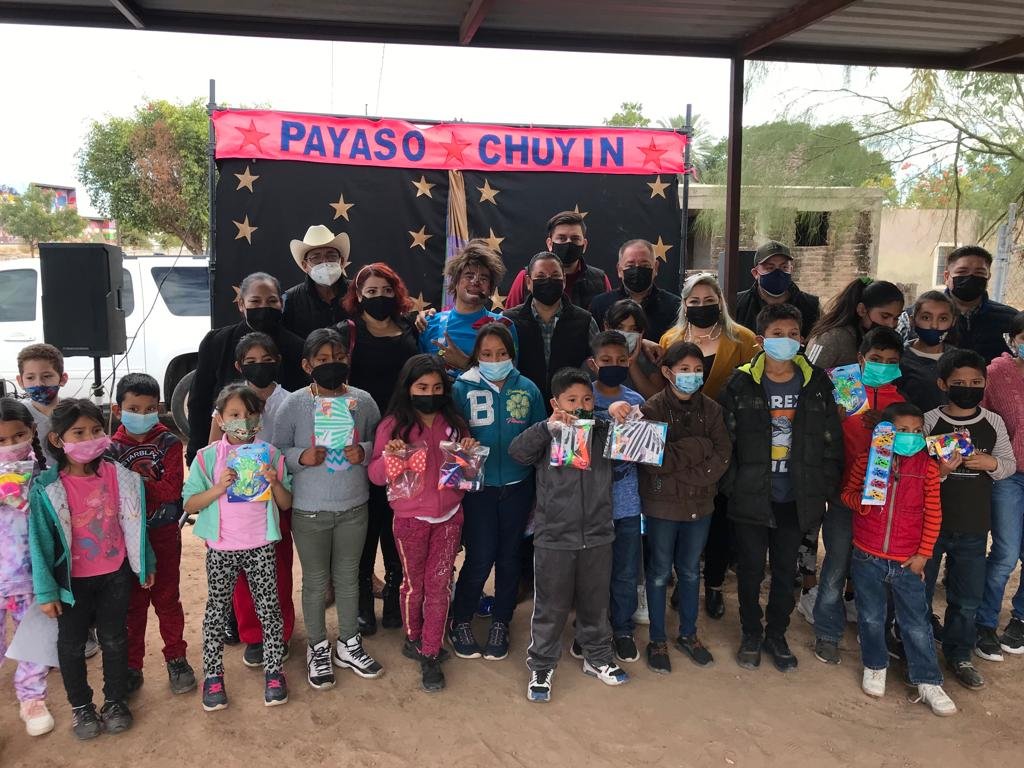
[{"x": 939, "y": 34}]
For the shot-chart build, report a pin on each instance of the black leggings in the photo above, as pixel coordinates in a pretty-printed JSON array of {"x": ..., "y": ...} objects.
[{"x": 378, "y": 529}]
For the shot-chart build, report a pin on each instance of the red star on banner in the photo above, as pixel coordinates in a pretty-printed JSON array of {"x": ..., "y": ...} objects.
[
  {"x": 454, "y": 148},
  {"x": 252, "y": 135},
  {"x": 652, "y": 154}
]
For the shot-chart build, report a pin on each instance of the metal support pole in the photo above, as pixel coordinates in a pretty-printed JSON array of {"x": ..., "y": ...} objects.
[
  {"x": 728, "y": 266},
  {"x": 211, "y": 181},
  {"x": 684, "y": 224},
  {"x": 1004, "y": 246}
]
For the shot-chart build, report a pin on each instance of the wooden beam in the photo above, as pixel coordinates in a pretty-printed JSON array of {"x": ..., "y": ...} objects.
[
  {"x": 993, "y": 54},
  {"x": 130, "y": 11},
  {"x": 729, "y": 264},
  {"x": 475, "y": 15},
  {"x": 799, "y": 17}
]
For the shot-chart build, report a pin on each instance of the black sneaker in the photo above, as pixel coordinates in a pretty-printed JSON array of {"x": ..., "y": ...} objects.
[
  {"x": 695, "y": 649},
  {"x": 937, "y": 628},
  {"x": 749, "y": 654},
  {"x": 826, "y": 651},
  {"x": 215, "y": 696},
  {"x": 135, "y": 681},
  {"x": 485, "y": 607},
  {"x": 782, "y": 657},
  {"x": 539, "y": 688},
  {"x": 391, "y": 615},
  {"x": 625, "y": 648},
  {"x": 576, "y": 650},
  {"x": 319, "y": 671},
  {"x": 1012, "y": 639},
  {"x": 231, "y": 630},
  {"x": 181, "y": 675},
  {"x": 275, "y": 689},
  {"x": 432, "y": 679},
  {"x": 967, "y": 675},
  {"x": 85, "y": 723},
  {"x": 463, "y": 641},
  {"x": 411, "y": 650},
  {"x": 253, "y": 656},
  {"x": 366, "y": 619},
  {"x": 116, "y": 716},
  {"x": 92, "y": 644},
  {"x": 714, "y": 603},
  {"x": 988, "y": 647},
  {"x": 658, "y": 659},
  {"x": 497, "y": 641}
]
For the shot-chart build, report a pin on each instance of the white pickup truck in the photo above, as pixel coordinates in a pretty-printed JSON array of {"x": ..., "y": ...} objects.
[{"x": 167, "y": 313}]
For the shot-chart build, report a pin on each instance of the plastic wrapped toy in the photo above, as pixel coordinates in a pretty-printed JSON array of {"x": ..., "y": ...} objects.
[
  {"x": 876, "y": 478},
  {"x": 639, "y": 441},
  {"x": 570, "y": 445},
  {"x": 462, "y": 470},
  {"x": 248, "y": 462},
  {"x": 405, "y": 470},
  {"x": 849, "y": 388},
  {"x": 947, "y": 445},
  {"x": 14, "y": 482}
]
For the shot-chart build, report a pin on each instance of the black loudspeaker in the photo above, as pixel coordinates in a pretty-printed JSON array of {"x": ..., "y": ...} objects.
[{"x": 82, "y": 310}]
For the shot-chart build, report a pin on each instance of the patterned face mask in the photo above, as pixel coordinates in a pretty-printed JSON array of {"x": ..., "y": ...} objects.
[{"x": 242, "y": 429}]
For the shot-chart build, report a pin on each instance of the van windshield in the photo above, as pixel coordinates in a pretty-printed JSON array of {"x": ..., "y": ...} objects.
[{"x": 185, "y": 290}]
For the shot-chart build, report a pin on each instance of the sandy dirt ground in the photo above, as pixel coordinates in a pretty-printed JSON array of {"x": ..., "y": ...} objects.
[{"x": 722, "y": 716}]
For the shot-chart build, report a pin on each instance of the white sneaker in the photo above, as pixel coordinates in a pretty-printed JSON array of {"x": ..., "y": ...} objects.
[
  {"x": 539, "y": 689},
  {"x": 640, "y": 615},
  {"x": 851, "y": 610},
  {"x": 609, "y": 674},
  {"x": 874, "y": 682},
  {"x": 805, "y": 605},
  {"x": 350, "y": 655},
  {"x": 936, "y": 698},
  {"x": 37, "y": 717},
  {"x": 319, "y": 672}
]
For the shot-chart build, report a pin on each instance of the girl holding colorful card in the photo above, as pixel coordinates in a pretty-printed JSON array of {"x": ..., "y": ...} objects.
[{"x": 237, "y": 486}]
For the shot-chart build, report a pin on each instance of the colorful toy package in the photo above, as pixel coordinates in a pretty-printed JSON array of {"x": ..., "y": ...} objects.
[
  {"x": 405, "y": 470},
  {"x": 462, "y": 470},
  {"x": 14, "y": 481},
  {"x": 570, "y": 445},
  {"x": 248, "y": 462},
  {"x": 947, "y": 445},
  {"x": 849, "y": 388},
  {"x": 333, "y": 428},
  {"x": 639, "y": 441},
  {"x": 876, "y": 478}
]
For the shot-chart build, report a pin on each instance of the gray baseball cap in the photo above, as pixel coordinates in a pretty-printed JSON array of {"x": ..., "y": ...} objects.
[{"x": 772, "y": 248}]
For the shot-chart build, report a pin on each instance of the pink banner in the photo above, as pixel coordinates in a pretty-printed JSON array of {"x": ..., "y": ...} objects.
[{"x": 267, "y": 135}]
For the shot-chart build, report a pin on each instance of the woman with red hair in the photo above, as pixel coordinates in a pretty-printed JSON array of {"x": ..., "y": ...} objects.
[{"x": 386, "y": 337}]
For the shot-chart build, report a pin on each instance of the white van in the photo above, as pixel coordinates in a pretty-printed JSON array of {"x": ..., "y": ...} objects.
[{"x": 167, "y": 312}]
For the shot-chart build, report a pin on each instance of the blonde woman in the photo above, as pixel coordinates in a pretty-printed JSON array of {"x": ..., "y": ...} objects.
[{"x": 705, "y": 321}]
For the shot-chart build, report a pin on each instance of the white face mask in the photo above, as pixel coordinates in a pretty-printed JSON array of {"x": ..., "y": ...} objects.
[
  {"x": 632, "y": 339},
  {"x": 326, "y": 274}
]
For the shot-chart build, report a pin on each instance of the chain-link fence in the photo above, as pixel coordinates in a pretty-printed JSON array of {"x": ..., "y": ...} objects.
[{"x": 1013, "y": 288}]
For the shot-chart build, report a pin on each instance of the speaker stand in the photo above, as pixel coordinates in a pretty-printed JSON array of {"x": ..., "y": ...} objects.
[{"x": 97, "y": 380}]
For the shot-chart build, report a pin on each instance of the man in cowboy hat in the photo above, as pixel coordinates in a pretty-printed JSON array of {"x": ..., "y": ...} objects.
[{"x": 316, "y": 302}]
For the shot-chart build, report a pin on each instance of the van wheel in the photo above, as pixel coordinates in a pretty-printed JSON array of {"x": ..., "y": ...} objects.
[{"x": 179, "y": 402}]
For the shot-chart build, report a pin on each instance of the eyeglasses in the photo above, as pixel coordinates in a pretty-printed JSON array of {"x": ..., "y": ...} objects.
[{"x": 331, "y": 258}]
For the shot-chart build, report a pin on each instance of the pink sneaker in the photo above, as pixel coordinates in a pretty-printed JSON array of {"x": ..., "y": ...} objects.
[{"x": 37, "y": 717}]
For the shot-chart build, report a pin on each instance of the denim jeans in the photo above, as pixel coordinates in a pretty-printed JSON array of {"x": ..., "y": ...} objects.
[
  {"x": 965, "y": 585},
  {"x": 625, "y": 571},
  {"x": 829, "y": 610},
  {"x": 874, "y": 579},
  {"x": 677, "y": 543},
  {"x": 492, "y": 532},
  {"x": 1007, "y": 550}
]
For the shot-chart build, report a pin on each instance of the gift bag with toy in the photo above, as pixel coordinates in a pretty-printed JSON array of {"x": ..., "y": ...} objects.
[
  {"x": 462, "y": 470},
  {"x": 570, "y": 444},
  {"x": 405, "y": 470}
]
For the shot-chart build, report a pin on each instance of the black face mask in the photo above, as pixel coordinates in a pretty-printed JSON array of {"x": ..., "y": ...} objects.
[
  {"x": 637, "y": 279},
  {"x": 548, "y": 290},
  {"x": 704, "y": 316},
  {"x": 260, "y": 374},
  {"x": 330, "y": 375},
  {"x": 966, "y": 397},
  {"x": 568, "y": 252},
  {"x": 968, "y": 287},
  {"x": 429, "y": 403},
  {"x": 583, "y": 413},
  {"x": 263, "y": 319},
  {"x": 379, "y": 307},
  {"x": 612, "y": 375}
]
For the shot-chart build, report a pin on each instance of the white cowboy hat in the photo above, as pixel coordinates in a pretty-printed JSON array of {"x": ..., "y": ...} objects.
[{"x": 319, "y": 236}]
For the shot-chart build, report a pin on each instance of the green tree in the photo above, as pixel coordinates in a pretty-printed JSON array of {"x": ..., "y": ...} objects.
[
  {"x": 33, "y": 218},
  {"x": 148, "y": 171},
  {"x": 631, "y": 115}
]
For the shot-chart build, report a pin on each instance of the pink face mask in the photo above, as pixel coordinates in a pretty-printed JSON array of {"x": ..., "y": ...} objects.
[
  {"x": 17, "y": 452},
  {"x": 87, "y": 450}
]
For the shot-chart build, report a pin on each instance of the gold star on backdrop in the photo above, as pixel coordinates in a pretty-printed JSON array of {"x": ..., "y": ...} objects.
[
  {"x": 488, "y": 193},
  {"x": 423, "y": 187},
  {"x": 576, "y": 209},
  {"x": 245, "y": 180},
  {"x": 420, "y": 238},
  {"x": 341, "y": 208},
  {"x": 497, "y": 301},
  {"x": 494, "y": 241},
  {"x": 661, "y": 249},
  {"x": 419, "y": 304},
  {"x": 245, "y": 229},
  {"x": 238, "y": 291},
  {"x": 658, "y": 187}
]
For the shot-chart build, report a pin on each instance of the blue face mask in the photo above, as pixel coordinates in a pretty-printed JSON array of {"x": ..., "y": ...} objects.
[
  {"x": 44, "y": 394},
  {"x": 1020, "y": 351},
  {"x": 930, "y": 336},
  {"x": 776, "y": 282},
  {"x": 139, "y": 423},
  {"x": 908, "y": 443},
  {"x": 781, "y": 349},
  {"x": 689, "y": 382},
  {"x": 495, "y": 371},
  {"x": 879, "y": 374}
]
